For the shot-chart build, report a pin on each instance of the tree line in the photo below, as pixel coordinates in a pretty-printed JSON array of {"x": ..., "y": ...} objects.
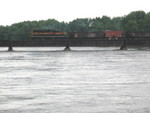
[{"x": 134, "y": 21}]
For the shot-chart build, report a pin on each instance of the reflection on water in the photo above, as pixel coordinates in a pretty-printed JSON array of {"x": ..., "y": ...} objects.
[{"x": 85, "y": 80}]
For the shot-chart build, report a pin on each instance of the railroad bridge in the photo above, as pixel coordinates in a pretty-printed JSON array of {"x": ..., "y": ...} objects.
[{"x": 83, "y": 42}]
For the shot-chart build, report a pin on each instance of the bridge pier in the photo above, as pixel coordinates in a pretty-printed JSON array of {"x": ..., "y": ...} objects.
[
  {"x": 124, "y": 45},
  {"x": 67, "y": 48},
  {"x": 10, "y": 48}
]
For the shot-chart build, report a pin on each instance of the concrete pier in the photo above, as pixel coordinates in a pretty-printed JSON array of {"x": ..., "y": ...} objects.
[
  {"x": 123, "y": 48},
  {"x": 124, "y": 45},
  {"x": 10, "y": 48},
  {"x": 67, "y": 48}
]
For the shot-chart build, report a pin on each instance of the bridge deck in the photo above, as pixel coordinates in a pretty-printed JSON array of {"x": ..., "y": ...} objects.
[{"x": 76, "y": 42}]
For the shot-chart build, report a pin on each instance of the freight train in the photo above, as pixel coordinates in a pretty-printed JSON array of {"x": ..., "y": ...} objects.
[{"x": 49, "y": 34}]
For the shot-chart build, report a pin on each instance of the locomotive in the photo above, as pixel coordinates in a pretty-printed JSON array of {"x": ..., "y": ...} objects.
[
  {"x": 108, "y": 34},
  {"x": 37, "y": 34}
]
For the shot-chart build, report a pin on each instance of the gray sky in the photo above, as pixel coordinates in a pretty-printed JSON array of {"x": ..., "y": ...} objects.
[{"x": 14, "y": 11}]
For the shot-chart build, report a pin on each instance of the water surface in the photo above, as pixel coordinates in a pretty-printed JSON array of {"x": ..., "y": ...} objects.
[{"x": 84, "y": 80}]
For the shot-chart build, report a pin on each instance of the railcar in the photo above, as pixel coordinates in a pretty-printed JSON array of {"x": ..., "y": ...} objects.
[
  {"x": 87, "y": 35},
  {"x": 113, "y": 34},
  {"x": 146, "y": 34},
  {"x": 134, "y": 34},
  {"x": 137, "y": 34}
]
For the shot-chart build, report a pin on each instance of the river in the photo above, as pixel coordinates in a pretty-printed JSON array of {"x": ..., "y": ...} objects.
[{"x": 84, "y": 80}]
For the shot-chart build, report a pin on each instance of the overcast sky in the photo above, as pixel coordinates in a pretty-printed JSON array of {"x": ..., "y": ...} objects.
[{"x": 14, "y": 11}]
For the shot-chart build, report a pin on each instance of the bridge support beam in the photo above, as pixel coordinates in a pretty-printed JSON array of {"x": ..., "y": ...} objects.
[
  {"x": 124, "y": 45},
  {"x": 10, "y": 48}
]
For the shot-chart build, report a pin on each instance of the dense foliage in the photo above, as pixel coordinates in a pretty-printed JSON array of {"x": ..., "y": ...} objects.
[{"x": 135, "y": 21}]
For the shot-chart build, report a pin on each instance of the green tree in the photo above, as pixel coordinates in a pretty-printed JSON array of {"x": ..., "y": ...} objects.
[
  {"x": 80, "y": 25},
  {"x": 134, "y": 21},
  {"x": 117, "y": 23},
  {"x": 146, "y": 23}
]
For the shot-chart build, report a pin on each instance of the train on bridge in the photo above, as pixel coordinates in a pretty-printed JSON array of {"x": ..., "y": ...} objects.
[
  {"x": 102, "y": 38},
  {"x": 108, "y": 34}
]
